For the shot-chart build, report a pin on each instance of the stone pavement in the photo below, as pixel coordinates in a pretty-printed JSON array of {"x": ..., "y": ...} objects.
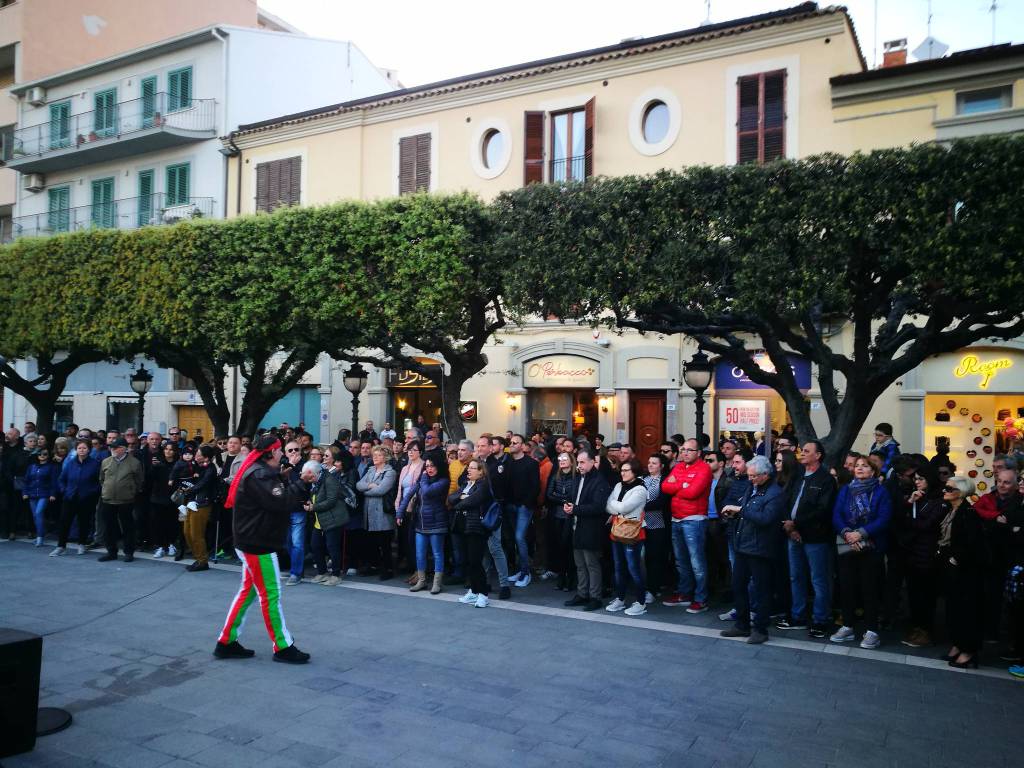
[{"x": 415, "y": 680}]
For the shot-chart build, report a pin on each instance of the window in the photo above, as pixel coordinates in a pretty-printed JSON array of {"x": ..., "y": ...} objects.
[
  {"x": 105, "y": 113},
  {"x": 655, "y": 122},
  {"x": 761, "y": 123},
  {"x": 178, "y": 192},
  {"x": 148, "y": 106},
  {"x": 104, "y": 213},
  {"x": 572, "y": 143},
  {"x": 493, "y": 149},
  {"x": 278, "y": 183},
  {"x": 179, "y": 89},
  {"x": 59, "y": 219},
  {"x": 984, "y": 100},
  {"x": 181, "y": 381},
  {"x": 414, "y": 163},
  {"x": 6, "y": 142},
  {"x": 60, "y": 125},
  {"x": 144, "y": 209}
]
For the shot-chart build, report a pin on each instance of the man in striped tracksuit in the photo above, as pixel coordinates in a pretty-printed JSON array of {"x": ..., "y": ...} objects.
[{"x": 262, "y": 501}]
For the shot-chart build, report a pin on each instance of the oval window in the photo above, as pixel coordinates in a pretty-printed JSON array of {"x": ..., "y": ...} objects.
[
  {"x": 492, "y": 149},
  {"x": 655, "y": 123}
]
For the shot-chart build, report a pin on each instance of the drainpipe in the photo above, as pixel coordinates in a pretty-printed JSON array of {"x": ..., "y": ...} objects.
[{"x": 224, "y": 107}]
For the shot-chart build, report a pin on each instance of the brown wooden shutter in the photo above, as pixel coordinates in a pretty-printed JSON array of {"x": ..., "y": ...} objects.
[
  {"x": 423, "y": 162},
  {"x": 588, "y": 139},
  {"x": 748, "y": 119},
  {"x": 262, "y": 187},
  {"x": 761, "y": 117},
  {"x": 407, "y": 165},
  {"x": 294, "y": 188},
  {"x": 278, "y": 182},
  {"x": 773, "y": 124},
  {"x": 533, "y": 148}
]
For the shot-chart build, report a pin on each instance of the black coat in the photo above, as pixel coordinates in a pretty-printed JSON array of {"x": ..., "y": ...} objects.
[
  {"x": 263, "y": 503},
  {"x": 560, "y": 488},
  {"x": 590, "y": 511},
  {"x": 469, "y": 511},
  {"x": 814, "y": 515}
]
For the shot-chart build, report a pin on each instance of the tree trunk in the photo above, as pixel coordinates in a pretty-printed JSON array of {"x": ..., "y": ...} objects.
[
  {"x": 451, "y": 388},
  {"x": 44, "y": 401}
]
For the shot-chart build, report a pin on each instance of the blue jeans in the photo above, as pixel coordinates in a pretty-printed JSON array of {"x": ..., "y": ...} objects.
[
  {"x": 688, "y": 539},
  {"x": 38, "y": 508},
  {"x": 458, "y": 545},
  {"x": 817, "y": 559},
  {"x": 497, "y": 555},
  {"x": 436, "y": 541},
  {"x": 297, "y": 543},
  {"x": 523, "y": 517},
  {"x": 629, "y": 558},
  {"x": 752, "y": 588}
]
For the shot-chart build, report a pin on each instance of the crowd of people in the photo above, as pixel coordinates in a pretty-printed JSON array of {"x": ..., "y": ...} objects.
[{"x": 784, "y": 537}]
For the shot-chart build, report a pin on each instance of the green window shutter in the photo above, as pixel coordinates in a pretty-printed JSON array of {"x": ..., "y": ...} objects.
[
  {"x": 60, "y": 209},
  {"x": 103, "y": 206},
  {"x": 179, "y": 88},
  {"x": 178, "y": 184},
  {"x": 105, "y": 113},
  {"x": 60, "y": 125},
  {"x": 148, "y": 101},
  {"x": 145, "y": 200}
]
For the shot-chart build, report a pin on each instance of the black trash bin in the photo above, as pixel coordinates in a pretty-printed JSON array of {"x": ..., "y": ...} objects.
[{"x": 21, "y": 655}]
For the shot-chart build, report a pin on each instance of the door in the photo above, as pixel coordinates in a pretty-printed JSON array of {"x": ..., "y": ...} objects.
[
  {"x": 148, "y": 101},
  {"x": 646, "y": 422},
  {"x": 194, "y": 420},
  {"x": 103, "y": 211},
  {"x": 105, "y": 113},
  {"x": 145, "y": 201}
]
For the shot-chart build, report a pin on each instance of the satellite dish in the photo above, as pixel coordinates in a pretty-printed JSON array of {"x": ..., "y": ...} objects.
[{"x": 930, "y": 48}]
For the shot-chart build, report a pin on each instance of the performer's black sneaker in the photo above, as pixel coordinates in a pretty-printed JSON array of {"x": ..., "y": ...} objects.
[
  {"x": 291, "y": 655},
  {"x": 233, "y": 650}
]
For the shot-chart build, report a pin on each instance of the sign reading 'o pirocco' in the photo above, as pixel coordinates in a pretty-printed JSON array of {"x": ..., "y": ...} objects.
[{"x": 560, "y": 371}]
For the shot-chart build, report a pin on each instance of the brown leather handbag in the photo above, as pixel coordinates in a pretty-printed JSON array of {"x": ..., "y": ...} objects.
[{"x": 626, "y": 531}]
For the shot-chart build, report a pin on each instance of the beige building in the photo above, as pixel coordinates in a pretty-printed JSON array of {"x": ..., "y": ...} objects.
[{"x": 785, "y": 84}]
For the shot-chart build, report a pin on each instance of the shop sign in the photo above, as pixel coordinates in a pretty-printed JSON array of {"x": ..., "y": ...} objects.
[
  {"x": 728, "y": 376},
  {"x": 972, "y": 365},
  {"x": 742, "y": 415},
  {"x": 408, "y": 379},
  {"x": 467, "y": 410},
  {"x": 560, "y": 371}
]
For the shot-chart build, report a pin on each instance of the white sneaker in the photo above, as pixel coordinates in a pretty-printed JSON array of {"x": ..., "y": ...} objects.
[
  {"x": 320, "y": 578},
  {"x": 57, "y": 552},
  {"x": 648, "y": 599},
  {"x": 636, "y": 609},
  {"x": 615, "y": 606},
  {"x": 729, "y": 615},
  {"x": 871, "y": 640},
  {"x": 160, "y": 552},
  {"x": 351, "y": 572},
  {"x": 182, "y": 513},
  {"x": 548, "y": 576},
  {"x": 469, "y": 597},
  {"x": 525, "y": 580},
  {"x": 81, "y": 549},
  {"x": 843, "y": 635},
  {"x": 171, "y": 551},
  {"x": 293, "y": 580},
  {"x": 192, "y": 507},
  {"x": 482, "y": 601},
  {"x": 39, "y": 541},
  {"x": 331, "y": 581}
]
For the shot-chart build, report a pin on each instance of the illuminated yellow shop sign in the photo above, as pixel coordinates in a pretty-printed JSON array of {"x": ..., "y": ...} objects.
[{"x": 972, "y": 365}]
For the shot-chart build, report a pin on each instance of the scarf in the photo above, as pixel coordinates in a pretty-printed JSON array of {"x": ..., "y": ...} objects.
[
  {"x": 248, "y": 461},
  {"x": 625, "y": 488},
  {"x": 858, "y": 503}
]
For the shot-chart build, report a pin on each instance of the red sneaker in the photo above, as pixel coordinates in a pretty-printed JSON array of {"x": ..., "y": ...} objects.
[
  {"x": 697, "y": 607},
  {"x": 675, "y": 600}
]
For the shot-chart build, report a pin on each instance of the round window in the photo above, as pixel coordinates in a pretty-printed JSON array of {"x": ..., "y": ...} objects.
[
  {"x": 655, "y": 122},
  {"x": 492, "y": 149}
]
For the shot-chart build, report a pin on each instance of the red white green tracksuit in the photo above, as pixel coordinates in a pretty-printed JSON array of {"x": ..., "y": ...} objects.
[{"x": 261, "y": 579}]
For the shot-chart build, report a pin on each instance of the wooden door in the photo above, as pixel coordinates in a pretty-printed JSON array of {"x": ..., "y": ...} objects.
[
  {"x": 646, "y": 422},
  {"x": 194, "y": 419}
]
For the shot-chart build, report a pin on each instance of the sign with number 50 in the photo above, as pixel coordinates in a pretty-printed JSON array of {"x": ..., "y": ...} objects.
[{"x": 742, "y": 415}]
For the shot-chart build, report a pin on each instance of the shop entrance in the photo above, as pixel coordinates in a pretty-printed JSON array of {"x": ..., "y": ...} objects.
[
  {"x": 413, "y": 395},
  {"x": 571, "y": 412},
  {"x": 646, "y": 422}
]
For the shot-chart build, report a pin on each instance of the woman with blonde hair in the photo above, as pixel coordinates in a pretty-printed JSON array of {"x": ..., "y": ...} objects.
[
  {"x": 560, "y": 492},
  {"x": 377, "y": 487}
]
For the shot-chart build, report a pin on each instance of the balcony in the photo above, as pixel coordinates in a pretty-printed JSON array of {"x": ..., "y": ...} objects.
[
  {"x": 125, "y": 129},
  {"x": 569, "y": 168},
  {"x": 129, "y": 213}
]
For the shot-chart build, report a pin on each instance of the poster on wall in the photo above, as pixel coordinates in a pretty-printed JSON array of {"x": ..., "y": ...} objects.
[
  {"x": 742, "y": 415},
  {"x": 467, "y": 410}
]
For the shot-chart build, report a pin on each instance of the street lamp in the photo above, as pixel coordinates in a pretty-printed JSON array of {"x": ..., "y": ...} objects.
[
  {"x": 355, "y": 382},
  {"x": 141, "y": 381},
  {"x": 697, "y": 375}
]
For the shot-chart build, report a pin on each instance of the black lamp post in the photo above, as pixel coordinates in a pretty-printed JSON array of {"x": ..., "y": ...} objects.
[
  {"x": 355, "y": 382},
  {"x": 141, "y": 381},
  {"x": 697, "y": 375}
]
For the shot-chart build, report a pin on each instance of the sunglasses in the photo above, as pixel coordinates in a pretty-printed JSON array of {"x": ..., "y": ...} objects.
[
  {"x": 951, "y": 489},
  {"x": 291, "y": 450}
]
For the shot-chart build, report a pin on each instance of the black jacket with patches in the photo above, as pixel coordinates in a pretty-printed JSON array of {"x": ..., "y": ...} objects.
[{"x": 263, "y": 502}]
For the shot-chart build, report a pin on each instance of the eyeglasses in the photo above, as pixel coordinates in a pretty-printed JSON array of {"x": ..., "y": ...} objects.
[
  {"x": 291, "y": 450},
  {"x": 690, "y": 450},
  {"x": 626, "y": 471},
  {"x": 951, "y": 489},
  {"x": 174, "y": 434}
]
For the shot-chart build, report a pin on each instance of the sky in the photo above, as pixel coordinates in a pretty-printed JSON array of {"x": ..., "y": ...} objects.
[{"x": 429, "y": 41}]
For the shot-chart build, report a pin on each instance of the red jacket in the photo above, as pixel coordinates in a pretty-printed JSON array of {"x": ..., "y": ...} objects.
[{"x": 689, "y": 487}]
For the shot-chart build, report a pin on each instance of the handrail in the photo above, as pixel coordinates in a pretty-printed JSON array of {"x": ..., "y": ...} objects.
[{"x": 126, "y": 213}]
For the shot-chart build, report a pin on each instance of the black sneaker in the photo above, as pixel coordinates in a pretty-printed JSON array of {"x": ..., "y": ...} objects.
[
  {"x": 735, "y": 632},
  {"x": 576, "y": 600},
  {"x": 818, "y": 631},
  {"x": 291, "y": 655},
  {"x": 233, "y": 650},
  {"x": 593, "y": 604},
  {"x": 197, "y": 566},
  {"x": 129, "y": 558},
  {"x": 504, "y": 593},
  {"x": 106, "y": 558},
  {"x": 791, "y": 624}
]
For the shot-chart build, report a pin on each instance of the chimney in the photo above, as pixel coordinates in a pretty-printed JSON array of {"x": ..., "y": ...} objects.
[{"x": 895, "y": 53}]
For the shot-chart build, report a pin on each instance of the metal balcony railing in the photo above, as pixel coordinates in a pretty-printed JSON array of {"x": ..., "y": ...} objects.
[
  {"x": 569, "y": 168},
  {"x": 158, "y": 111},
  {"x": 129, "y": 213},
  {"x": 6, "y": 230}
]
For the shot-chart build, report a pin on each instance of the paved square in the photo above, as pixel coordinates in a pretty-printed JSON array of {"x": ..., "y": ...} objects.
[{"x": 414, "y": 680}]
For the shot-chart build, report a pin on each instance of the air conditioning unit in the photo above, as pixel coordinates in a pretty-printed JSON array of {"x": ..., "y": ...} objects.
[
  {"x": 33, "y": 182},
  {"x": 36, "y": 96}
]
